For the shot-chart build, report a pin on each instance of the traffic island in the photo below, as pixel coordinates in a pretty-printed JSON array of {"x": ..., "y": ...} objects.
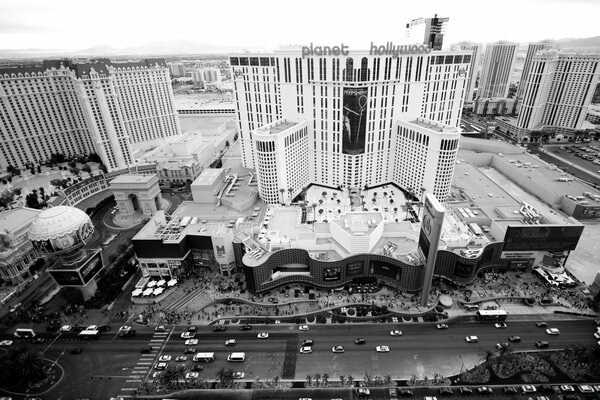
[{"x": 27, "y": 373}]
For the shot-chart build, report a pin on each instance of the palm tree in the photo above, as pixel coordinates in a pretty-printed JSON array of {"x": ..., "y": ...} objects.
[
  {"x": 350, "y": 380},
  {"x": 309, "y": 380},
  {"x": 325, "y": 379},
  {"x": 29, "y": 365},
  {"x": 225, "y": 377},
  {"x": 317, "y": 379},
  {"x": 290, "y": 190},
  {"x": 486, "y": 357},
  {"x": 503, "y": 354},
  {"x": 342, "y": 379}
]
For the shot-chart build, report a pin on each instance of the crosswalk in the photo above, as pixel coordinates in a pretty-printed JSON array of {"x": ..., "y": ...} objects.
[{"x": 144, "y": 364}]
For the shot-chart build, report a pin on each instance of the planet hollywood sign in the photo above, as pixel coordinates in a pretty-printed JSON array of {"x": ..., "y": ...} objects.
[{"x": 389, "y": 49}]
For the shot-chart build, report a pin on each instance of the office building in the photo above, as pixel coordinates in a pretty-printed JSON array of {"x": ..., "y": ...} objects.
[
  {"x": 558, "y": 92},
  {"x": 110, "y": 109},
  {"x": 350, "y": 121},
  {"x": 206, "y": 78},
  {"x": 427, "y": 31},
  {"x": 532, "y": 49},
  {"x": 177, "y": 70},
  {"x": 476, "y": 49},
  {"x": 498, "y": 62}
]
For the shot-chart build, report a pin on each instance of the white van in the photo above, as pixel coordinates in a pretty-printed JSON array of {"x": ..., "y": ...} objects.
[
  {"x": 24, "y": 333},
  {"x": 239, "y": 357}
]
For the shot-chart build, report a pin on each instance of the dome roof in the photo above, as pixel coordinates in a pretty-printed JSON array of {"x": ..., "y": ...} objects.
[{"x": 57, "y": 222}]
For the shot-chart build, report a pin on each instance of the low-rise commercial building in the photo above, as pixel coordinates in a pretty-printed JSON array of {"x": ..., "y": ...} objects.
[{"x": 16, "y": 251}]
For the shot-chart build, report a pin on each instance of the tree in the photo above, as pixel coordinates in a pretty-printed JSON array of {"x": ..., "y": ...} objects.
[
  {"x": 86, "y": 168},
  {"x": 225, "y": 377},
  {"x": 75, "y": 171},
  {"x": 503, "y": 353},
  {"x": 93, "y": 157},
  {"x": 21, "y": 366},
  {"x": 227, "y": 143},
  {"x": 486, "y": 357},
  {"x": 103, "y": 168},
  {"x": 309, "y": 380},
  {"x": 31, "y": 200},
  {"x": 325, "y": 379}
]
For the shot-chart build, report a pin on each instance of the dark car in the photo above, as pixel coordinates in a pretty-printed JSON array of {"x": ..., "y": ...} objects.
[
  {"x": 78, "y": 328},
  {"x": 406, "y": 393},
  {"x": 541, "y": 324},
  {"x": 510, "y": 390},
  {"x": 105, "y": 328},
  {"x": 146, "y": 349},
  {"x": 192, "y": 328},
  {"x": 219, "y": 328},
  {"x": 446, "y": 391},
  {"x": 307, "y": 342},
  {"x": 39, "y": 340},
  {"x": 198, "y": 367},
  {"x": 53, "y": 328},
  {"x": 189, "y": 350},
  {"x": 514, "y": 339},
  {"x": 546, "y": 389},
  {"x": 246, "y": 327},
  {"x": 360, "y": 341},
  {"x": 76, "y": 350},
  {"x": 542, "y": 344},
  {"x": 129, "y": 333}
]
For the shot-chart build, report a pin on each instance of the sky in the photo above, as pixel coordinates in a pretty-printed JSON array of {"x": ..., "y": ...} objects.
[{"x": 76, "y": 24}]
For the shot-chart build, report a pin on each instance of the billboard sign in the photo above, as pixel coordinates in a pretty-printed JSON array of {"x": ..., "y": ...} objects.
[
  {"x": 66, "y": 277},
  {"x": 517, "y": 254},
  {"x": 91, "y": 268},
  {"x": 332, "y": 274},
  {"x": 385, "y": 269},
  {"x": 542, "y": 237},
  {"x": 355, "y": 268},
  {"x": 429, "y": 238},
  {"x": 354, "y": 120}
]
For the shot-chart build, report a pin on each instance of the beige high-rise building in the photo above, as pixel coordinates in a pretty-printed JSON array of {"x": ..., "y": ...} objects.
[
  {"x": 106, "y": 108},
  {"x": 477, "y": 49},
  {"x": 498, "y": 63},
  {"x": 532, "y": 49}
]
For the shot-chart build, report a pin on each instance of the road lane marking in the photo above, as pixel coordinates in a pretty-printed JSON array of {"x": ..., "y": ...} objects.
[
  {"x": 131, "y": 381},
  {"x": 157, "y": 340},
  {"x": 140, "y": 367}
]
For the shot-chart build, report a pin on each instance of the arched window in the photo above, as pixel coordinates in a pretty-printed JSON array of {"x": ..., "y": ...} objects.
[
  {"x": 349, "y": 69},
  {"x": 364, "y": 71}
]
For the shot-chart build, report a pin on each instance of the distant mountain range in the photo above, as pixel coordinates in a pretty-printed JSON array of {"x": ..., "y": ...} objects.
[
  {"x": 190, "y": 47},
  {"x": 156, "y": 48},
  {"x": 585, "y": 43}
]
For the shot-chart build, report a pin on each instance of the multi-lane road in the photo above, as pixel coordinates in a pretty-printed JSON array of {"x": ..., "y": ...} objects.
[{"x": 114, "y": 365}]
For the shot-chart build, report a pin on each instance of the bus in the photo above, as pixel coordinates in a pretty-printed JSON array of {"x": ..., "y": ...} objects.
[
  {"x": 24, "y": 333},
  {"x": 89, "y": 334},
  {"x": 491, "y": 315},
  {"x": 204, "y": 357},
  {"x": 236, "y": 357}
]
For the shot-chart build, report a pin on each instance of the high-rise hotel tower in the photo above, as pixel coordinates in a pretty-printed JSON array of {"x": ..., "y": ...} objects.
[
  {"x": 354, "y": 119},
  {"x": 74, "y": 109}
]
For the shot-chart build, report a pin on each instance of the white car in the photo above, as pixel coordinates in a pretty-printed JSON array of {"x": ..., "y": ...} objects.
[
  {"x": 230, "y": 342},
  {"x": 303, "y": 328},
  {"x": 239, "y": 375},
  {"x": 472, "y": 339},
  {"x": 181, "y": 359},
  {"x": 382, "y": 349},
  {"x": 188, "y": 335},
  {"x": 337, "y": 349},
  {"x": 552, "y": 331},
  {"x": 165, "y": 358},
  {"x": 500, "y": 325},
  {"x": 442, "y": 326},
  {"x": 92, "y": 328},
  {"x": 528, "y": 389},
  {"x": 262, "y": 335},
  {"x": 192, "y": 375},
  {"x": 66, "y": 328},
  {"x": 191, "y": 342},
  {"x": 6, "y": 343},
  {"x": 597, "y": 335},
  {"x": 161, "y": 365},
  {"x": 125, "y": 328},
  {"x": 396, "y": 333},
  {"x": 567, "y": 388},
  {"x": 305, "y": 350}
]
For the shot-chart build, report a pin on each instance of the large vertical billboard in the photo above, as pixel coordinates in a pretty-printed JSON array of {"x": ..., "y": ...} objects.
[
  {"x": 354, "y": 120},
  {"x": 429, "y": 238}
]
